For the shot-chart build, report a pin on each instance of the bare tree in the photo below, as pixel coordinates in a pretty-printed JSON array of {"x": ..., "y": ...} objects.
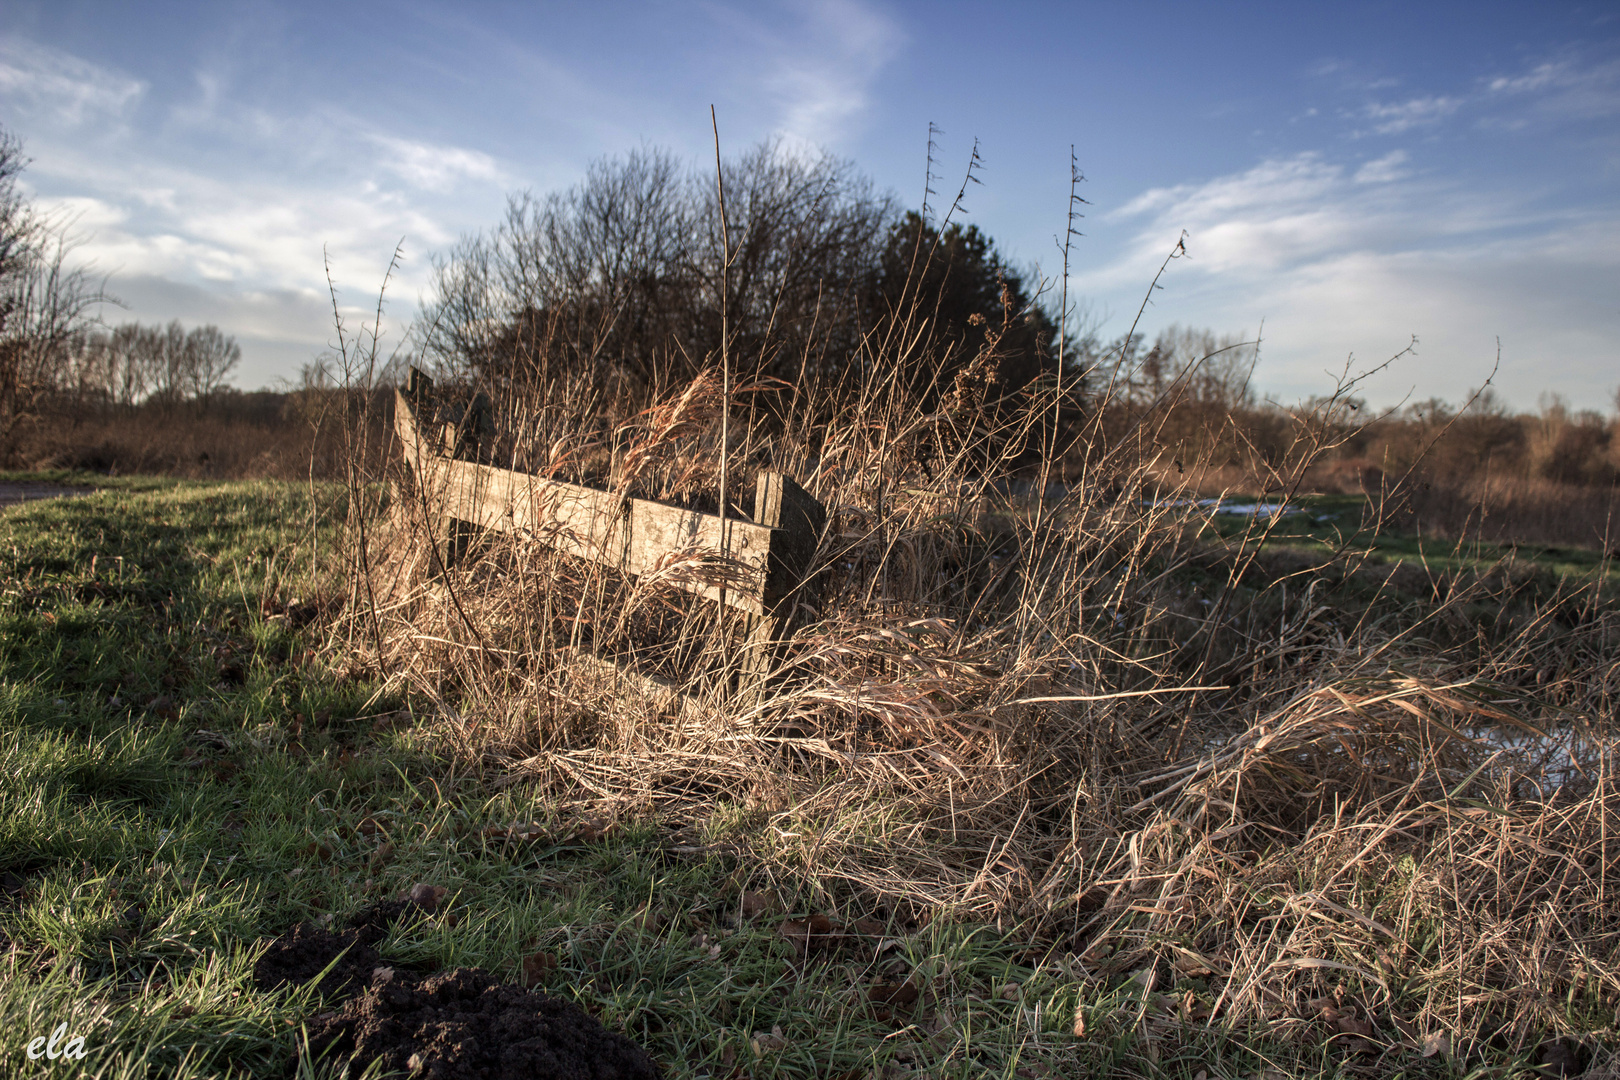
[
  {"x": 45, "y": 301},
  {"x": 211, "y": 356},
  {"x": 622, "y": 276}
]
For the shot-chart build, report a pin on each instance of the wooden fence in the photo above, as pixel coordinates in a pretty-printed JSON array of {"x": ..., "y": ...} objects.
[{"x": 765, "y": 562}]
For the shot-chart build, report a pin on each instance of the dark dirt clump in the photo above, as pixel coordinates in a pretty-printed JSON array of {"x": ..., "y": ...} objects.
[
  {"x": 461, "y": 1024},
  {"x": 465, "y": 1025},
  {"x": 300, "y": 955}
]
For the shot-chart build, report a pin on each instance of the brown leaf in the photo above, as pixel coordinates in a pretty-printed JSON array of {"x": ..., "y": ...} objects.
[
  {"x": 388, "y": 722},
  {"x": 1079, "y": 1021},
  {"x": 896, "y": 994},
  {"x": 368, "y": 826},
  {"x": 537, "y": 967},
  {"x": 427, "y": 896},
  {"x": 766, "y": 1042},
  {"x": 1354, "y": 1025},
  {"x": 755, "y": 904},
  {"x": 870, "y": 927},
  {"x": 647, "y": 919},
  {"x": 319, "y": 850},
  {"x": 817, "y": 933},
  {"x": 592, "y": 830},
  {"x": 1437, "y": 1042}
]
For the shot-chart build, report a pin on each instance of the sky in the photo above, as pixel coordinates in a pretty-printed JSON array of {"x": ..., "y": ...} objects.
[{"x": 1347, "y": 176}]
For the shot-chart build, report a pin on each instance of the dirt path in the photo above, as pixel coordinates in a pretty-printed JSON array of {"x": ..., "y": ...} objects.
[{"x": 14, "y": 492}]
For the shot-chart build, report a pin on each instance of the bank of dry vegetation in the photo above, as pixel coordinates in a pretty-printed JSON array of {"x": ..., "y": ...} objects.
[{"x": 1263, "y": 791}]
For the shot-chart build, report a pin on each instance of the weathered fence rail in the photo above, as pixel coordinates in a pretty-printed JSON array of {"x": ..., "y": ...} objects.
[{"x": 763, "y": 564}]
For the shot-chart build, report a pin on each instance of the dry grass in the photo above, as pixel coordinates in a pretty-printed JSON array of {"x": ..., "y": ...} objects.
[{"x": 1272, "y": 790}]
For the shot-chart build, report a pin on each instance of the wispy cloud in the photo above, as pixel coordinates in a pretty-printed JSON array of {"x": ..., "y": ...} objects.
[
  {"x": 819, "y": 67},
  {"x": 1385, "y": 170},
  {"x": 51, "y": 86},
  {"x": 1396, "y": 117},
  {"x": 1558, "y": 89},
  {"x": 433, "y": 167},
  {"x": 1336, "y": 254}
]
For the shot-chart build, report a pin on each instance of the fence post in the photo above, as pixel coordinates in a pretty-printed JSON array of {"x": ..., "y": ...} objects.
[{"x": 796, "y": 520}]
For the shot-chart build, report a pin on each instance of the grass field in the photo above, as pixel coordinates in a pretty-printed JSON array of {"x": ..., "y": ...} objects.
[{"x": 194, "y": 763}]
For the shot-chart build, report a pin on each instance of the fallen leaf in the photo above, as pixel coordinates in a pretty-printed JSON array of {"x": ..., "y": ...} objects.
[
  {"x": 647, "y": 919},
  {"x": 537, "y": 966},
  {"x": 814, "y": 934},
  {"x": 1079, "y": 1021},
  {"x": 427, "y": 896},
  {"x": 368, "y": 826},
  {"x": 591, "y": 830},
  {"x": 318, "y": 849},
  {"x": 896, "y": 994},
  {"x": 1351, "y": 1024},
  {"x": 755, "y": 904},
  {"x": 765, "y": 1043},
  {"x": 1011, "y": 992},
  {"x": 1437, "y": 1042},
  {"x": 381, "y": 976}
]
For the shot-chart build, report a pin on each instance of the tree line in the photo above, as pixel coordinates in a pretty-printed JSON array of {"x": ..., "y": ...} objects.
[
  {"x": 133, "y": 363},
  {"x": 53, "y": 349}
]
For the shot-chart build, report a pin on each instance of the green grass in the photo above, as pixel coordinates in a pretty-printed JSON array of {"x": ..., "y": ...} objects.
[
  {"x": 180, "y": 781},
  {"x": 1333, "y": 523}
]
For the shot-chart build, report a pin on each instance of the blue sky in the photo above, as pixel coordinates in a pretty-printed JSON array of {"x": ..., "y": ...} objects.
[{"x": 1349, "y": 174}]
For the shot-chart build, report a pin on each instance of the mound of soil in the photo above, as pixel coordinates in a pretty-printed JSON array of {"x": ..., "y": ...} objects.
[
  {"x": 298, "y": 956},
  {"x": 461, "y": 1024},
  {"x": 464, "y": 1024}
]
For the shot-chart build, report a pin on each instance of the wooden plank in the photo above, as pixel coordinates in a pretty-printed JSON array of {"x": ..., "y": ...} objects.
[
  {"x": 639, "y": 538},
  {"x": 766, "y": 564},
  {"x": 659, "y": 534},
  {"x": 796, "y": 520},
  {"x": 412, "y": 440}
]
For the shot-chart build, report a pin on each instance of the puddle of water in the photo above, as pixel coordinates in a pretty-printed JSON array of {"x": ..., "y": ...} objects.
[
  {"x": 12, "y": 493},
  {"x": 1264, "y": 510}
]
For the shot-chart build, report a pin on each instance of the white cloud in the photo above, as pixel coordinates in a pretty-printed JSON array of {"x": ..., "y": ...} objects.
[
  {"x": 55, "y": 87},
  {"x": 1385, "y": 170},
  {"x": 1392, "y": 119},
  {"x": 1338, "y": 261},
  {"x": 820, "y": 71},
  {"x": 1560, "y": 89},
  {"x": 436, "y": 168}
]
